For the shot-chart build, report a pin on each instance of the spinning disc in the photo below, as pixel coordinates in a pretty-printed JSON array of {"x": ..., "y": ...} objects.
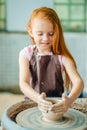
[{"x": 32, "y": 118}]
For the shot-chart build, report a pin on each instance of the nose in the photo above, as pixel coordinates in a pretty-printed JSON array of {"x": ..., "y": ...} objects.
[{"x": 45, "y": 37}]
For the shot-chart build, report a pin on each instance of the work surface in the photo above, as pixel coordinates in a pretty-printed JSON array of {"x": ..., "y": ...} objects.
[
  {"x": 28, "y": 110},
  {"x": 7, "y": 99}
]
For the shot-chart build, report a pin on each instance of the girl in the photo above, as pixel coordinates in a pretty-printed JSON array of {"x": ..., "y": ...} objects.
[{"x": 43, "y": 63}]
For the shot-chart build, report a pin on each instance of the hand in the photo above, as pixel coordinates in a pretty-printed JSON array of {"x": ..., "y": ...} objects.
[
  {"x": 43, "y": 104},
  {"x": 66, "y": 102},
  {"x": 57, "y": 107}
]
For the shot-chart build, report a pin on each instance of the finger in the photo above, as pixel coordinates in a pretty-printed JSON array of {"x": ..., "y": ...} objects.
[
  {"x": 57, "y": 105},
  {"x": 43, "y": 95},
  {"x": 44, "y": 106},
  {"x": 42, "y": 99},
  {"x": 59, "y": 114},
  {"x": 64, "y": 96},
  {"x": 44, "y": 102},
  {"x": 56, "y": 108},
  {"x": 43, "y": 110}
]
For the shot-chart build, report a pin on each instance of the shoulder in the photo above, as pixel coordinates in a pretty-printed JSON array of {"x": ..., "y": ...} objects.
[
  {"x": 27, "y": 51},
  {"x": 65, "y": 61},
  {"x": 68, "y": 62}
]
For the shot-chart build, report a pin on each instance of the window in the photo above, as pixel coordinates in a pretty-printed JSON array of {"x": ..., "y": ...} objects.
[
  {"x": 2, "y": 15},
  {"x": 73, "y": 14}
]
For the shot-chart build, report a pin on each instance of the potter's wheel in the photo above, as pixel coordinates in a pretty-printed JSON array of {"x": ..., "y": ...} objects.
[{"x": 32, "y": 118}]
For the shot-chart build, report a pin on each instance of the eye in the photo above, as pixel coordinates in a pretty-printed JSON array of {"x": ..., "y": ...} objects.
[
  {"x": 51, "y": 34},
  {"x": 39, "y": 34}
]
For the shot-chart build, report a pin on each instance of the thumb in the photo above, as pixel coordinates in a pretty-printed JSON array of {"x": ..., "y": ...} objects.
[
  {"x": 43, "y": 95},
  {"x": 64, "y": 96}
]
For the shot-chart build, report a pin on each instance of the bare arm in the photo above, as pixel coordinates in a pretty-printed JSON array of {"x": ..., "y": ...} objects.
[
  {"x": 77, "y": 82},
  {"x": 24, "y": 79},
  {"x": 77, "y": 86}
]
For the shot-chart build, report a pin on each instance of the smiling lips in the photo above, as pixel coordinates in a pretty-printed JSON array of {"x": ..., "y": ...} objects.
[{"x": 45, "y": 43}]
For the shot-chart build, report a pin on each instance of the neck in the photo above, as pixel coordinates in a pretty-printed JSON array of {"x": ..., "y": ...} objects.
[{"x": 44, "y": 51}]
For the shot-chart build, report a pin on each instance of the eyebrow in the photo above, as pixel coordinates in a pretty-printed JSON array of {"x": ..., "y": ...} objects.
[{"x": 47, "y": 32}]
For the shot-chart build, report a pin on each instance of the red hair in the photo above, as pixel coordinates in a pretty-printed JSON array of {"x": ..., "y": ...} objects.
[{"x": 58, "y": 46}]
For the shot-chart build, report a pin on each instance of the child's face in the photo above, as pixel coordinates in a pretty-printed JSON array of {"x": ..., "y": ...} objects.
[{"x": 42, "y": 33}]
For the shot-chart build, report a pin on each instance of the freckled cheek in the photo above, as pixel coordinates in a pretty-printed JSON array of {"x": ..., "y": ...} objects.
[
  {"x": 51, "y": 40},
  {"x": 37, "y": 40}
]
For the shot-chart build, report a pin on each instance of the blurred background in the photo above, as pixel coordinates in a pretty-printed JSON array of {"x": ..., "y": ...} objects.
[{"x": 14, "y": 16}]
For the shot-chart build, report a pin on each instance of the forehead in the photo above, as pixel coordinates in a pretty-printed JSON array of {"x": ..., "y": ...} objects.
[{"x": 41, "y": 23}]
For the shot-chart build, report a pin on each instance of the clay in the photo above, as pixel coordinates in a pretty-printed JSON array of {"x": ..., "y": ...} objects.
[{"x": 51, "y": 115}]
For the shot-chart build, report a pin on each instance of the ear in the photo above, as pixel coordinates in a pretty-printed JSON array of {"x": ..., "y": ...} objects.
[{"x": 30, "y": 32}]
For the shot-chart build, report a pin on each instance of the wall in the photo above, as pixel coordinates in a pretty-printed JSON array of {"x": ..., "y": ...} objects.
[
  {"x": 10, "y": 45},
  {"x": 77, "y": 44},
  {"x": 18, "y": 12}
]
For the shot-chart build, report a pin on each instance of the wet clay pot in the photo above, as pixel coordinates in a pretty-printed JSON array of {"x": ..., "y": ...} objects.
[{"x": 52, "y": 116}]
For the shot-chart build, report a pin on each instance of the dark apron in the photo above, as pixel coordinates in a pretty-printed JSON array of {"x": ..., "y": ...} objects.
[{"x": 46, "y": 75}]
